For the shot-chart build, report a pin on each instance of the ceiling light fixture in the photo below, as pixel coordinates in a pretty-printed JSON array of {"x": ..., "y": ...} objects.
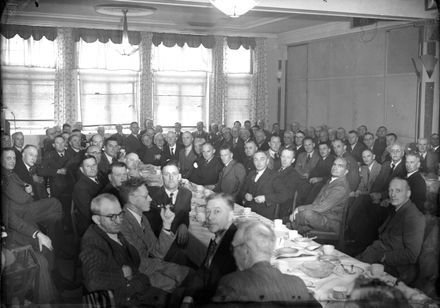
[
  {"x": 126, "y": 49},
  {"x": 234, "y": 8}
]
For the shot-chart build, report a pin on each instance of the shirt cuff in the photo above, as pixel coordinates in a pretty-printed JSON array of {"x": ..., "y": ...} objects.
[{"x": 35, "y": 234}]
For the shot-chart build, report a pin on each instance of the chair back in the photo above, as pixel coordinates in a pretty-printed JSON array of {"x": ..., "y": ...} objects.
[
  {"x": 99, "y": 299},
  {"x": 74, "y": 220}
]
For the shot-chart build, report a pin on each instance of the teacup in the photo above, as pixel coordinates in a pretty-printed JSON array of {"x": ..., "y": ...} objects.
[
  {"x": 247, "y": 211},
  {"x": 377, "y": 270},
  {"x": 328, "y": 249},
  {"x": 340, "y": 292},
  {"x": 293, "y": 234},
  {"x": 283, "y": 266},
  {"x": 277, "y": 223}
]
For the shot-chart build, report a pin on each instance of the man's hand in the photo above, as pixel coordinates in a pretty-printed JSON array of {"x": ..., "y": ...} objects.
[
  {"x": 315, "y": 180},
  {"x": 248, "y": 197},
  {"x": 28, "y": 188},
  {"x": 167, "y": 217},
  {"x": 62, "y": 171},
  {"x": 375, "y": 197},
  {"x": 182, "y": 235},
  {"x": 260, "y": 199},
  {"x": 126, "y": 270},
  {"x": 385, "y": 203},
  {"x": 44, "y": 240}
]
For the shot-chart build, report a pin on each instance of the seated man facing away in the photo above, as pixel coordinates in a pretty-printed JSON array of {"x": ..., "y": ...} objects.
[
  {"x": 325, "y": 213},
  {"x": 400, "y": 236},
  {"x": 109, "y": 262},
  {"x": 218, "y": 261},
  {"x": 257, "y": 280},
  {"x": 151, "y": 249}
]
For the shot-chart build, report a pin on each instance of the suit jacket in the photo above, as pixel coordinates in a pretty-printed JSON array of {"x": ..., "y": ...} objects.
[
  {"x": 58, "y": 183},
  {"x": 400, "y": 240},
  {"x": 353, "y": 176},
  {"x": 206, "y": 173},
  {"x": 264, "y": 146},
  {"x": 83, "y": 193},
  {"x": 323, "y": 168},
  {"x": 275, "y": 161},
  {"x": 132, "y": 144},
  {"x": 267, "y": 186},
  {"x": 248, "y": 163},
  {"x": 418, "y": 190},
  {"x": 27, "y": 176},
  {"x": 304, "y": 167},
  {"x": 262, "y": 283},
  {"x": 386, "y": 175},
  {"x": 205, "y": 281},
  {"x": 104, "y": 168},
  {"x": 182, "y": 207},
  {"x": 13, "y": 188},
  {"x": 151, "y": 155},
  {"x": 288, "y": 181},
  {"x": 167, "y": 153},
  {"x": 14, "y": 222},
  {"x": 379, "y": 147},
  {"x": 110, "y": 189},
  {"x": 18, "y": 154},
  {"x": 102, "y": 269},
  {"x": 231, "y": 179},
  {"x": 186, "y": 162},
  {"x": 368, "y": 178},
  {"x": 359, "y": 147},
  {"x": 429, "y": 164},
  {"x": 238, "y": 149},
  {"x": 298, "y": 150},
  {"x": 120, "y": 138},
  {"x": 202, "y": 134}
]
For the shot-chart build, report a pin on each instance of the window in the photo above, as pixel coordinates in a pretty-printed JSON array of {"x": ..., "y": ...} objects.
[
  {"x": 239, "y": 83},
  {"x": 180, "y": 84},
  {"x": 28, "y": 73},
  {"x": 108, "y": 84}
]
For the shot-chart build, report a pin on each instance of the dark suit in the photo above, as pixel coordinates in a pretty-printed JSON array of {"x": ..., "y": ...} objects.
[
  {"x": 325, "y": 213},
  {"x": 238, "y": 149},
  {"x": 132, "y": 144},
  {"x": 83, "y": 192},
  {"x": 59, "y": 183},
  {"x": 429, "y": 164},
  {"x": 248, "y": 163},
  {"x": 231, "y": 179},
  {"x": 186, "y": 162},
  {"x": 167, "y": 153},
  {"x": 104, "y": 168},
  {"x": 18, "y": 154},
  {"x": 206, "y": 173},
  {"x": 400, "y": 240},
  {"x": 267, "y": 186},
  {"x": 102, "y": 260},
  {"x": 274, "y": 161},
  {"x": 418, "y": 190},
  {"x": 386, "y": 175},
  {"x": 379, "y": 147},
  {"x": 152, "y": 155},
  {"x": 288, "y": 181},
  {"x": 27, "y": 176},
  {"x": 262, "y": 283},
  {"x": 304, "y": 165},
  {"x": 110, "y": 189},
  {"x": 203, "y": 283},
  {"x": 202, "y": 134},
  {"x": 359, "y": 147},
  {"x": 120, "y": 138},
  {"x": 298, "y": 150},
  {"x": 323, "y": 168},
  {"x": 264, "y": 146},
  {"x": 368, "y": 177}
]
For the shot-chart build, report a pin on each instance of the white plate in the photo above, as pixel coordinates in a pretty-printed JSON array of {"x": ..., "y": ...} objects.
[{"x": 286, "y": 252}]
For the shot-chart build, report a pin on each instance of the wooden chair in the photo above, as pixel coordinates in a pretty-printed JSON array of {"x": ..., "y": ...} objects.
[
  {"x": 99, "y": 299},
  {"x": 335, "y": 238}
]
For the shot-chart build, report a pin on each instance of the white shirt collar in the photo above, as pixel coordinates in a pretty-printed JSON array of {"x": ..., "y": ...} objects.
[
  {"x": 27, "y": 166},
  {"x": 409, "y": 174},
  {"x": 109, "y": 158},
  {"x": 136, "y": 216}
]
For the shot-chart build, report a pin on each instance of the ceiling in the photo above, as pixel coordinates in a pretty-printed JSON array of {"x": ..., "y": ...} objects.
[{"x": 270, "y": 19}]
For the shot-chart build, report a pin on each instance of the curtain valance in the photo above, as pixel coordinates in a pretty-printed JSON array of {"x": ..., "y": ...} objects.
[{"x": 134, "y": 37}]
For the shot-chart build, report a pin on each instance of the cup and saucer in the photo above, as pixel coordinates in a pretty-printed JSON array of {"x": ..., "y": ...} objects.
[
  {"x": 376, "y": 270},
  {"x": 329, "y": 253},
  {"x": 338, "y": 293}
]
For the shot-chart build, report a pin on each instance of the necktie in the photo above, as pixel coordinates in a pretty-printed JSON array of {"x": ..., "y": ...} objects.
[
  {"x": 276, "y": 156},
  {"x": 172, "y": 151},
  {"x": 393, "y": 166},
  {"x": 32, "y": 170},
  {"x": 211, "y": 251},
  {"x": 280, "y": 170},
  {"x": 96, "y": 181},
  {"x": 171, "y": 198},
  {"x": 308, "y": 158},
  {"x": 143, "y": 224},
  {"x": 62, "y": 155}
]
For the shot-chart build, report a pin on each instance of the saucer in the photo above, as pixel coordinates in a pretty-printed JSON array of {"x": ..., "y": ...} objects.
[
  {"x": 370, "y": 274},
  {"x": 332, "y": 299},
  {"x": 329, "y": 258}
]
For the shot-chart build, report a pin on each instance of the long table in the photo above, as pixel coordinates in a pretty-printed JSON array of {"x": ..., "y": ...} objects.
[{"x": 320, "y": 288}]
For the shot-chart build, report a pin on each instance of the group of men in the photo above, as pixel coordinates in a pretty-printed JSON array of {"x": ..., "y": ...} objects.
[{"x": 133, "y": 235}]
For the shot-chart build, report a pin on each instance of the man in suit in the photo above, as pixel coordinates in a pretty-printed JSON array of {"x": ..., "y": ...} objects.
[
  {"x": 148, "y": 128},
  {"x": 260, "y": 140},
  {"x": 434, "y": 140},
  {"x": 288, "y": 139},
  {"x": 26, "y": 169},
  {"x": 75, "y": 146},
  {"x": 149, "y": 152},
  {"x": 17, "y": 143},
  {"x": 119, "y": 135},
  {"x": 361, "y": 131},
  {"x": 428, "y": 159},
  {"x": 218, "y": 261},
  {"x": 325, "y": 213},
  {"x": 97, "y": 140},
  {"x": 277, "y": 131},
  {"x": 355, "y": 147},
  {"x": 415, "y": 181},
  {"x": 206, "y": 169},
  {"x": 200, "y": 132},
  {"x": 307, "y": 160},
  {"x": 274, "y": 153},
  {"x": 232, "y": 176},
  {"x": 369, "y": 172},
  {"x": 257, "y": 280},
  {"x": 400, "y": 236},
  {"x": 250, "y": 148},
  {"x": 245, "y": 135},
  {"x": 139, "y": 233},
  {"x": 172, "y": 148},
  {"x": 132, "y": 142},
  {"x": 178, "y": 131},
  {"x": 109, "y": 156},
  {"x": 380, "y": 143},
  {"x": 260, "y": 191},
  {"x": 117, "y": 175},
  {"x": 237, "y": 145},
  {"x": 187, "y": 155},
  {"x": 299, "y": 137},
  {"x": 110, "y": 262},
  {"x": 87, "y": 187},
  {"x": 353, "y": 177}
]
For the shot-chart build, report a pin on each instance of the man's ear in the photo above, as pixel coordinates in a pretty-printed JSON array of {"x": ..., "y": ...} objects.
[{"x": 96, "y": 219}]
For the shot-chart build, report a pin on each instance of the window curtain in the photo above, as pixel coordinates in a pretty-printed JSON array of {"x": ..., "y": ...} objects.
[
  {"x": 218, "y": 83},
  {"x": 259, "y": 101},
  {"x": 65, "y": 96},
  {"x": 146, "y": 81}
]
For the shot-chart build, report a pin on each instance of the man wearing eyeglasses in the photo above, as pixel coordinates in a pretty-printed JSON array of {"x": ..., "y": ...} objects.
[
  {"x": 110, "y": 262},
  {"x": 257, "y": 280},
  {"x": 151, "y": 249}
]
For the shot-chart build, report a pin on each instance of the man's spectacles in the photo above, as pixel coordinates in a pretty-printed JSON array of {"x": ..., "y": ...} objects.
[{"x": 114, "y": 217}]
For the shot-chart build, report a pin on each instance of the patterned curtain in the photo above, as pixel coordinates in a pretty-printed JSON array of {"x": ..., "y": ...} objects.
[
  {"x": 146, "y": 82},
  {"x": 259, "y": 101},
  {"x": 218, "y": 83},
  {"x": 65, "y": 98}
]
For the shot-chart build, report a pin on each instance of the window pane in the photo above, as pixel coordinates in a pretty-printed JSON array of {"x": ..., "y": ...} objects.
[
  {"x": 105, "y": 56},
  {"x": 238, "y": 61},
  {"x": 180, "y": 97},
  {"x": 108, "y": 98},
  {"x": 181, "y": 58},
  {"x": 238, "y": 98}
]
